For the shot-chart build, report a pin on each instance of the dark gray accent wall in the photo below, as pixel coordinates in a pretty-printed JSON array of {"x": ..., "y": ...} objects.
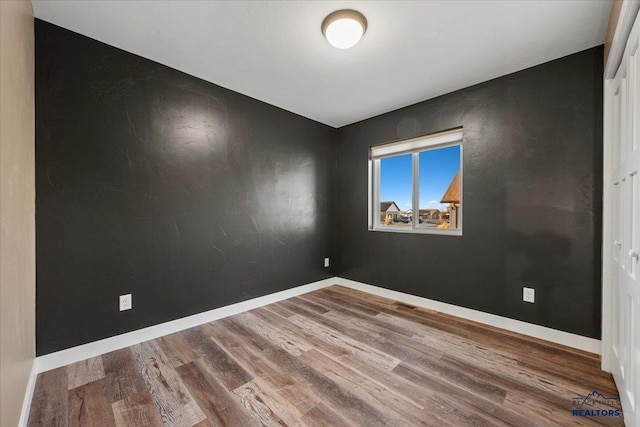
[
  {"x": 153, "y": 182},
  {"x": 532, "y": 198},
  {"x": 192, "y": 197}
]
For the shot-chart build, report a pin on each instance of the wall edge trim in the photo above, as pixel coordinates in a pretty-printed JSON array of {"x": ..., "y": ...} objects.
[
  {"x": 556, "y": 336},
  {"x": 71, "y": 355},
  {"x": 28, "y": 395},
  {"x": 628, "y": 13}
]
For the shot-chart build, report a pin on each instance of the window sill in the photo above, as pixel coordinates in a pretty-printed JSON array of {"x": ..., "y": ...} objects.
[{"x": 439, "y": 231}]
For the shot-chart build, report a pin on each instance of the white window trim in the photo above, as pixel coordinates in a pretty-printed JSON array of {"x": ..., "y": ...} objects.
[{"x": 414, "y": 147}]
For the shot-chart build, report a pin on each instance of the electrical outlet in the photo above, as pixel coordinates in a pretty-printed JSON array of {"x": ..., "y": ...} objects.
[
  {"x": 326, "y": 262},
  {"x": 126, "y": 302},
  {"x": 528, "y": 295}
]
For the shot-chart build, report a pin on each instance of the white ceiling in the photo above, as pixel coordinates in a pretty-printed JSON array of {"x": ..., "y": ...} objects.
[{"x": 275, "y": 51}]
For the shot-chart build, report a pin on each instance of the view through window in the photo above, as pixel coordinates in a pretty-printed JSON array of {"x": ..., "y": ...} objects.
[{"x": 417, "y": 184}]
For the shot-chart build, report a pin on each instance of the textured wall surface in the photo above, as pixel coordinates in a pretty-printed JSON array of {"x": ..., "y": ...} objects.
[
  {"x": 532, "y": 196},
  {"x": 192, "y": 197},
  {"x": 17, "y": 207},
  {"x": 155, "y": 183}
]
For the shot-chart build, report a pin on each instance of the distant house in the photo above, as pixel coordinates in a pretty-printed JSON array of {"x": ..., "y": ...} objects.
[
  {"x": 430, "y": 216},
  {"x": 389, "y": 210},
  {"x": 452, "y": 196}
]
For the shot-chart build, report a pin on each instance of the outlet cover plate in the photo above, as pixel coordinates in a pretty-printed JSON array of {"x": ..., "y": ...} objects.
[
  {"x": 529, "y": 295},
  {"x": 326, "y": 262},
  {"x": 126, "y": 302}
]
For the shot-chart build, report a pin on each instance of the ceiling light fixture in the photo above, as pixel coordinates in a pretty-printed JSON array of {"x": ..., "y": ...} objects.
[{"x": 344, "y": 28}]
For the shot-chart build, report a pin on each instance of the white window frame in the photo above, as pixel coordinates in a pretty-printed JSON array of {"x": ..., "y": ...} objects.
[{"x": 414, "y": 147}]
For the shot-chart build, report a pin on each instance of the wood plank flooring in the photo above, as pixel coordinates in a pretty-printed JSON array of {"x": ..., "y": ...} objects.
[{"x": 334, "y": 357}]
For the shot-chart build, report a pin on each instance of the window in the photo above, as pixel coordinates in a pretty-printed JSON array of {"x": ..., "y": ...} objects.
[{"x": 416, "y": 185}]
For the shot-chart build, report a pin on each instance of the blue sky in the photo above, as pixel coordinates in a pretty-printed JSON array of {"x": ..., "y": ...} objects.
[{"x": 437, "y": 169}]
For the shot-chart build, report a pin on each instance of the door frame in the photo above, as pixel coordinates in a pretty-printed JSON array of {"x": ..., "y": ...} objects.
[
  {"x": 628, "y": 13},
  {"x": 613, "y": 69}
]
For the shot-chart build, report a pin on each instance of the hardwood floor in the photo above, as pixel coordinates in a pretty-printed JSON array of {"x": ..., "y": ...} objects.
[{"x": 330, "y": 358}]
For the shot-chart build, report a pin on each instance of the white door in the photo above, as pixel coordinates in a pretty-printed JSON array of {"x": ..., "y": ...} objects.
[{"x": 623, "y": 134}]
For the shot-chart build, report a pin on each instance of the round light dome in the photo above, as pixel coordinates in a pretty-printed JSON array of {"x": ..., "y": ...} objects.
[{"x": 344, "y": 28}]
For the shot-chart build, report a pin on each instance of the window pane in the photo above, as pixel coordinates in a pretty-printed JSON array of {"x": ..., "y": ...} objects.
[
  {"x": 396, "y": 191},
  {"x": 439, "y": 198}
]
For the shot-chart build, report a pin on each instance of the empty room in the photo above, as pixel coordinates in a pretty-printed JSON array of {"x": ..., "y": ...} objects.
[{"x": 319, "y": 213}]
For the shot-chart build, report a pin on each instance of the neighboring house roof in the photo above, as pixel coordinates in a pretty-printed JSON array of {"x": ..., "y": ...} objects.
[
  {"x": 452, "y": 195},
  {"x": 389, "y": 206},
  {"x": 426, "y": 211}
]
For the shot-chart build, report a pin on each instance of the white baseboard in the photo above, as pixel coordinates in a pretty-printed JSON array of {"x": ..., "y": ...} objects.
[
  {"x": 559, "y": 337},
  {"x": 96, "y": 348},
  {"x": 28, "y": 395}
]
